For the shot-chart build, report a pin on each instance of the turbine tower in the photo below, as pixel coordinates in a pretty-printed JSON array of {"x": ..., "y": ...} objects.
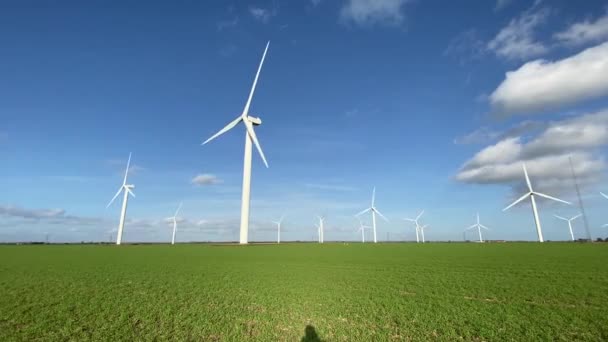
[
  {"x": 422, "y": 228},
  {"x": 174, "y": 218},
  {"x": 249, "y": 122},
  {"x": 278, "y": 223},
  {"x": 531, "y": 193},
  {"x": 362, "y": 228},
  {"x": 569, "y": 223},
  {"x": 127, "y": 191},
  {"x": 374, "y": 211},
  {"x": 417, "y": 225},
  {"x": 479, "y": 227},
  {"x": 321, "y": 228}
]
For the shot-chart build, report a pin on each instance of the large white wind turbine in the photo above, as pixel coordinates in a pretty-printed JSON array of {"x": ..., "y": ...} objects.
[
  {"x": 569, "y": 223},
  {"x": 320, "y": 228},
  {"x": 374, "y": 211},
  {"x": 421, "y": 229},
  {"x": 531, "y": 193},
  {"x": 479, "y": 227},
  {"x": 174, "y": 218},
  {"x": 417, "y": 227},
  {"x": 127, "y": 191},
  {"x": 249, "y": 122},
  {"x": 362, "y": 228},
  {"x": 278, "y": 223}
]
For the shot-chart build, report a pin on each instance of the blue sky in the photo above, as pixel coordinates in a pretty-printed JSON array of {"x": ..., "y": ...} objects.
[{"x": 435, "y": 103}]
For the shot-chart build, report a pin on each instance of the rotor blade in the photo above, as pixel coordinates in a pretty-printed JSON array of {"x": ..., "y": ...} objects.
[
  {"x": 552, "y": 198},
  {"x": 178, "y": 209},
  {"x": 254, "y": 138},
  {"x": 113, "y": 198},
  {"x": 527, "y": 178},
  {"x": 379, "y": 213},
  {"x": 364, "y": 211},
  {"x": 484, "y": 227},
  {"x": 130, "y": 192},
  {"x": 255, "y": 81},
  {"x": 605, "y": 225},
  {"x": 224, "y": 130},
  {"x": 419, "y": 215},
  {"x": 517, "y": 201},
  {"x": 561, "y": 218},
  {"x": 471, "y": 227},
  {"x": 127, "y": 170},
  {"x": 603, "y": 194},
  {"x": 373, "y": 196},
  {"x": 575, "y": 217}
]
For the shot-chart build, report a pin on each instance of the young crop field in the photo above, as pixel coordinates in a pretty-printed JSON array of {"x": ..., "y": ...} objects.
[{"x": 305, "y": 292}]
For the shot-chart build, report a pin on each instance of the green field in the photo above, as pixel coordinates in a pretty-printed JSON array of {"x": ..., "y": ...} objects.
[{"x": 342, "y": 292}]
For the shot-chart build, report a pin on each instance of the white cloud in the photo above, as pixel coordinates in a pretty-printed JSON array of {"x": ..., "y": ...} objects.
[
  {"x": 262, "y": 14},
  {"x": 12, "y": 211},
  {"x": 466, "y": 46},
  {"x": 373, "y": 12},
  {"x": 226, "y": 24},
  {"x": 540, "y": 85},
  {"x": 546, "y": 155},
  {"x": 205, "y": 179},
  {"x": 486, "y": 135},
  {"x": 517, "y": 40},
  {"x": 584, "y": 32},
  {"x": 500, "y": 4}
]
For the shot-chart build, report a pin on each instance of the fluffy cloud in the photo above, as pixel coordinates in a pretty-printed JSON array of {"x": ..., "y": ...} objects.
[
  {"x": 262, "y": 14},
  {"x": 546, "y": 155},
  {"x": 486, "y": 135},
  {"x": 517, "y": 40},
  {"x": 539, "y": 85},
  {"x": 584, "y": 32},
  {"x": 205, "y": 179},
  {"x": 373, "y": 12},
  {"x": 37, "y": 214},
  {"x": 500, "y": 4}
]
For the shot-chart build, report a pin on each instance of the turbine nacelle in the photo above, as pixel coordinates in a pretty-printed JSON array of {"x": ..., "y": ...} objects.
[{"x": 254, "y": 120}]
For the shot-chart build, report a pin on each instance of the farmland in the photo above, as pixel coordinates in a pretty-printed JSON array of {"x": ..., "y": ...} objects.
[{"x": 336, "y": 292}]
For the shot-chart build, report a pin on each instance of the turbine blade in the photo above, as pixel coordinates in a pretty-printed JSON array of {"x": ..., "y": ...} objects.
[
  {"x": 409, "y": 219},
  {"x": 124, "y": 182},
  {"x": 471, "y": 227},
  {"x": 419, "y": 215},
  {"x": 113, "y": 198},
  {"x": 178, "y": 209},
  {"x": 255, "y": 81},
  {"x": 254, "y": 138},
  {"x": 363, "y": 212},
  {"x": 603, "y": 194},
  {"x": 373, "y": 196},
  {"x": 379, "y": 213},
  {"x": 484, "y": 227},
  {"x": 527, "y": 178},
  {"x": 561, "y": 218},
  {"x": 224, "y": 130},
  {"x": 575, "y": 217},
  {"x": 517, "y": 201},
  {"x": 552, "y": 198},
  {"x": 130, "y": 192}
]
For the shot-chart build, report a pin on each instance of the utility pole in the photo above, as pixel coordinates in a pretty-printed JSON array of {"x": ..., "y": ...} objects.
[{"x": 580, "y": 200}]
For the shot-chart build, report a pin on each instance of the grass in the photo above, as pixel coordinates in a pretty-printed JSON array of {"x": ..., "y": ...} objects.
[{"x": 353, "y": 292}]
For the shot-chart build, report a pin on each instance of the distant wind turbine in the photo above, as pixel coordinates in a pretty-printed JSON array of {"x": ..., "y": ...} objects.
[
  {"x": 569, "y": 223},
  {"x": 531, "y": 193},
  {"x": 417, "y": 227},
  {"x": 422, "y": 228},
  {"x": 278, "y": 223},
  {"x": 127, "y": 191},
  {"x": 320, "y": 228},
  {"x": 374, "y": 211},
  {"x": 362, "y": 228},
  {"x": 249, "y": 122},
  {"x": 479, "y": 227},
  {"x": 174, "y": 218}
]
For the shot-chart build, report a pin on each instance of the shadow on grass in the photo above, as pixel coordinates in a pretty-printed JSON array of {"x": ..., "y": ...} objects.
[{"x": 310, "y": 335}]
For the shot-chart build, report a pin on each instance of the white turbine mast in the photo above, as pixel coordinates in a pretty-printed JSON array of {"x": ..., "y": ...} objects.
[
  {"x": 249, "y": 122},
  {"x": 278, "y": 223},
  {"x": 374, "y": 211},
  {"x": 362, "y": 228},
  {"x": 127, "y": 191},
  {"x": 569, "y": 220},
  {"x": 479, "y": 227},
  {"x": 531, "y": 193},
  {"x": 321, "y": 228},
  {"x": 174, "y": 219},
  {"x": 417, "y": 225}
]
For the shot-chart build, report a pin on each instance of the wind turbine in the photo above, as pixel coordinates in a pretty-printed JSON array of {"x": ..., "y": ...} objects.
[
  {"x": 479, "y": 227},
  {"x": 320, "y": 228},
  {"x": 278, "y": 223},
  {"x": 249, "y": 122},
  {"x": 362, "y": 228},
  {"x": 569, "y": 223},
  {"x": 127, "y": 191},
  {"x": 531, "y": 193},
  {"x": 417, "y": 224},
  {"x": 422, "y": 228},
  {"x": 374, "y": 211},
  {"x": 174, "y": 218}
]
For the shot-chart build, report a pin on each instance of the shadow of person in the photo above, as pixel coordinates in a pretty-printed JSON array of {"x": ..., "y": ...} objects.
[{"x": 310, "y": 335}]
